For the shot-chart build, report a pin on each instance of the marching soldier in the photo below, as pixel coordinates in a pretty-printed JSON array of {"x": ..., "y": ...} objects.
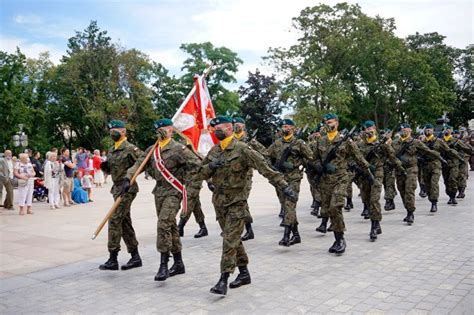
[
  {"x": 288, "y": 156},
  {"x": 432, "y": 167},
  {"x": 194, "y": 207},
  {"x": 390, "y": 191},
  {"x": 450, "y": 170},
  {"x": 463, "y": 163},
  {"x": 228, "y": 164},
  {"x": 406, "y": 149},
  {"x": 173, "y": 166},
  {"x": 315, "y": 193},
  {"x": 331, "y": 156},
  {"x": 121, "y": 156},
  {"x": 375, "y": 152}
]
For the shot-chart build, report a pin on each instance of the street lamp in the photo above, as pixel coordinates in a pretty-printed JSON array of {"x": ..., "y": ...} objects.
[{"x": 20, "y": 139}]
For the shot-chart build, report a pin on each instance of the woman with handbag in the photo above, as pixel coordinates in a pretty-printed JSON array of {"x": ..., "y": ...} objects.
[
  {"x": 52, "y": 170},
  {"x": 25, "y": 173}
]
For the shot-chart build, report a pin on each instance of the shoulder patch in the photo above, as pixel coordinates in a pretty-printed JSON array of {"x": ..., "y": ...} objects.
[{"x": 135, "y": 149}]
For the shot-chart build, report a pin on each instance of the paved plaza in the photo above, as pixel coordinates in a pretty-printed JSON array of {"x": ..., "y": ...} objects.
[{"x": 48, "y": 263}]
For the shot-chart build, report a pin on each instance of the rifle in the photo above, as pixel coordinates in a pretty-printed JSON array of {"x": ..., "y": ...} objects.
[
  {"x": 384, "y": 139},
  {"x": 280, "y": 164}
]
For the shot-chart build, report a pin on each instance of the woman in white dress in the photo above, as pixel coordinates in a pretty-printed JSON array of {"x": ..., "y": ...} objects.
[
  {"x": 52, "y": 175},
  {"x": 25, "y": 173},
  {"x": 98, "y": 174}
]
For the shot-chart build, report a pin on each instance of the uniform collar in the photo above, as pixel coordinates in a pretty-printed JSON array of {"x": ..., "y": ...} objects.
[
  {"x": 164, "y": 143},
  {"x": 119, "y": 143},
  {"x": 227, "y": 143}
]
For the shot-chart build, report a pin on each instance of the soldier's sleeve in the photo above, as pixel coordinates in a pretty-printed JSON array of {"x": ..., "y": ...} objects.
[
  {"x": 466, "y": 148},
  {"x": 389, "y": 153},
  {"x": 204, "y": 172},
  {"x": 191, "y": 163},
  {"x": 423, "y": 148},
  {"x": 257, "y": 146},
  {"x": 257, "y": 161},
  {"x": 306, "y": 151},
  {"x": 357, "y": 155},
  {"x": 451, "y": 153},
  {"x": 139, "y": 156}
]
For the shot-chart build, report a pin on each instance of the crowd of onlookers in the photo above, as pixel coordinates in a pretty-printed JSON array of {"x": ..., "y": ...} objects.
[{"x": 61, "y": 178}]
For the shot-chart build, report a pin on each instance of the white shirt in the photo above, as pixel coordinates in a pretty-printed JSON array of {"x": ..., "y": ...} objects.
[{"x": 10, "y": 167}]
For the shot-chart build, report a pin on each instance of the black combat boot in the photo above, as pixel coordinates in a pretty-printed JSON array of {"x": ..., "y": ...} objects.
[
  {"x": 461, "y": 193},
  {"x": 322, "y": 228},
  {"x": 163, "y": 272},
  {"x": 285, "y": 241},
  {"x": 389, "y": 204},
  {"x": 282, "y": 213},
  {"x": 452, "y": 199},
  {"x": 315, "y": 212},
  {"x": 434, "y": 206},
  {"x": 410, "y": 217},
  {"x": 423, "y": 193},
  {"x": 181, "y": 224},
  {"x": 373, "y": 230},
  {"x": 296, "y": 238},
  {"x": 112, "y": 263},
  {"x": 178, "y": 265},
  {"x": 313, "y": 205},
  {"x": 330, "y": 228},
  {"x": 332, "y": 249},
  {"x": 349, "y": 204},
  {"x": 221, "y": 285},
  {"x": 367, "y": 215},
  {"x": 249, "y": 234},
  {"x": 202, "y": 230},
  {"x": 134, "y": 262},
  {"x": 379, "y": 228},
  {"x": 365, "y": 212},
  {"x": 340, "y": 243},
  {"x": 243, "y": 278}
]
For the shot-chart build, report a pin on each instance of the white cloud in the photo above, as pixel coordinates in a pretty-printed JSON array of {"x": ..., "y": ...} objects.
[
  {"x": 27, "y": 19},
  {"x": 31, "y": 50},
  {"x": 172, "y": 58}
]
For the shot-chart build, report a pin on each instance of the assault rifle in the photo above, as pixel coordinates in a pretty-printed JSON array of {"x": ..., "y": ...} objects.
[{"x": 281, "y": 164}]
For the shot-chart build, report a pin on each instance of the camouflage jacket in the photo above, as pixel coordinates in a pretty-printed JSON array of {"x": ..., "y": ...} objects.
[
  {"x": 440, "y": 146},
  {"x": 119, "y": 161},
  {"x": 337, "y": 167},
  {"x": 376, "y": 154},
  {"x": 178, "y": 159},
  {"x": 461, "y": 147},
  {"x": 300, "y": 154},
  {"x": 231, "y": 181},
  {"x": 407, "y": 151}
]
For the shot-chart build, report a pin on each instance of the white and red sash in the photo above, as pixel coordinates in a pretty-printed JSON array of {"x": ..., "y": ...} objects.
[{"x": 170, "y": 177}]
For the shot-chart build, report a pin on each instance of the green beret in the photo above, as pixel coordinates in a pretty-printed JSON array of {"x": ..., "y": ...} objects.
[
  {"x": 220, "y": 120},
  {"x": 428, "y": 126},
  {"x": 164, "y": 122},
  {"x": 330, "y": 116},
  {"x": 238, "y": 120},
  {"x": 369, "y": 123},
  {"x": 448, "y": 127},
  {"x": 387, "y": 130},
  {"x": 405, "y": 125},
  {"x": 116, "y": 124},
  {"x": 287, "y": 122}
]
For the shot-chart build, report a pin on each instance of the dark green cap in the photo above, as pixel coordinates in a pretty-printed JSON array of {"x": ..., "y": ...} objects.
[
  {"x": 330, "y": 116},
  {"x": 369, "y": 123},
  {"x": 287, "y": 121},
  {"x": 429, "y": 126},
  {"x": 448, "y": 127},
  {"x": 405, "y": 125},
  {"x": 238, "y": 120},
  {"x": 220, "y": 120},
  {"x": 164, "y": 122},
  {"x": 116, "y": 124}
]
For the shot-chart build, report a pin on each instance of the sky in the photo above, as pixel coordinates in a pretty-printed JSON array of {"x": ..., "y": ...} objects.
[{"x": 248, "y": 27}]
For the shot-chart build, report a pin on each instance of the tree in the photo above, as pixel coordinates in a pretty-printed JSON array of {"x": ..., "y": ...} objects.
[
  {"x": 261, "y": 105},
  {"x": 168, "y": 92},
  {"x": 463, "y": 109}
]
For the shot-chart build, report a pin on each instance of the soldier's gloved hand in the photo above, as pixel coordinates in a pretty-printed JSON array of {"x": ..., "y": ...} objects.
[
  {"x": 216, "y": 164},
  {"x": 370, "y": 177},
  {"x": 318, "y": 168},
  {"x": 403, "y": 171},
  {"x": 125, "y": 186},
  {"x": 211, "y": 186},
  {"x": 290, "y": 194}
]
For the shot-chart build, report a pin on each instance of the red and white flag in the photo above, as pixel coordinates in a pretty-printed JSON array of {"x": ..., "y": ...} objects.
[{"x": 194, "y": 115}]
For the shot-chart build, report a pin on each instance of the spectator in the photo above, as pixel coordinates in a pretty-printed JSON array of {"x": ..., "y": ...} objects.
[
  {"x": 52, "y": 174},
  {"x": 81, "y": 158},
  {"x": 86, "y": 182},
  {"x": 6, "y": 179},
  {"x": 37, "y": 165},
  {"x": 98, "y": 174},
  {"x": 25, "y": 173},
  {"x": 79, "y": 195},
  {"x": 104, "y": 158},
  {"x": 68, "y": 183}
]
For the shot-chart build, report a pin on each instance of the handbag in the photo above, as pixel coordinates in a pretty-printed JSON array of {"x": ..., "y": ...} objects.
[{"x": 22, "y": 182}]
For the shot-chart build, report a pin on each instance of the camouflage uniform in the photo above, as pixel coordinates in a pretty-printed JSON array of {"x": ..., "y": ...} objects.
[
  {"x": 389, "y": 188},
  {"x": 293, "y": 171},
  {"x": 464, "y": 168},
  {"x": 315, "y": 191},
  {"x": 194, "y": 205},
  {"x": 231, "y": 193},
  {"x": 450, "y": 171},
  {"x": 120, "y": 223},
  {"x": 407, "y": 150}
]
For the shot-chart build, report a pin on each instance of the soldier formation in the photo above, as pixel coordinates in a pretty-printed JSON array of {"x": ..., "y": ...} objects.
[{"x": 332, "y": 160}]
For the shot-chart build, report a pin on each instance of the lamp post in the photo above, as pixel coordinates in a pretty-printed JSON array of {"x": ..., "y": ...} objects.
[{"x": 20, "y": 139}]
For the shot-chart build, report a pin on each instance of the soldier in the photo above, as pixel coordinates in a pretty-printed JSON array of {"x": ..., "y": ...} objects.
[
  {"x": 450, "y": 170},
  {"x": 432, "y": 167},
  {"x": 331, "y": 155},
  {"x": 406, "y": 149},
  {"x": 463, "y": 163},
  {"x": 228, "y": 164},
  {"x": 375, "y": 152},
  {"x": 173, "y": 166},
  {"x": 120, "y": 157},
  {"x": 315, "y": 192},
  {"x": 288, "y": 156},
  {"x": 194, "y": 207},
  {"x": 389, "y": 188},
  {"x": 423, "y": 193}
]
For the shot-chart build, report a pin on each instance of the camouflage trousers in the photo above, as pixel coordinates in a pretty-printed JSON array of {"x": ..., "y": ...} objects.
[
  {"x": 350, "y": 179},
  {"x": 232, "y": 220},
  {"x": 120, "y": 225},
  {"x": 333, "y": 193},
  {"x": 389, "y": 184},
  {"x": 290, "y": 206},
  {"x": 194, "y": 207},
  {"x": 314, "y": 188},
  {"x": 431, "y": 177},
  {"x": 167, "y": 237},
  {"x": 370, "y": 195},
  {"x": 421, "y": 178},
  {"x": 463, "y": 175},
  {"x": 407, "y": 186},
  {"x": 450, "y": 177}
]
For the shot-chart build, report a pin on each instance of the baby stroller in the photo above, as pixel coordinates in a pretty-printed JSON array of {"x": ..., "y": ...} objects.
[{"x": 40, "y": 192}]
